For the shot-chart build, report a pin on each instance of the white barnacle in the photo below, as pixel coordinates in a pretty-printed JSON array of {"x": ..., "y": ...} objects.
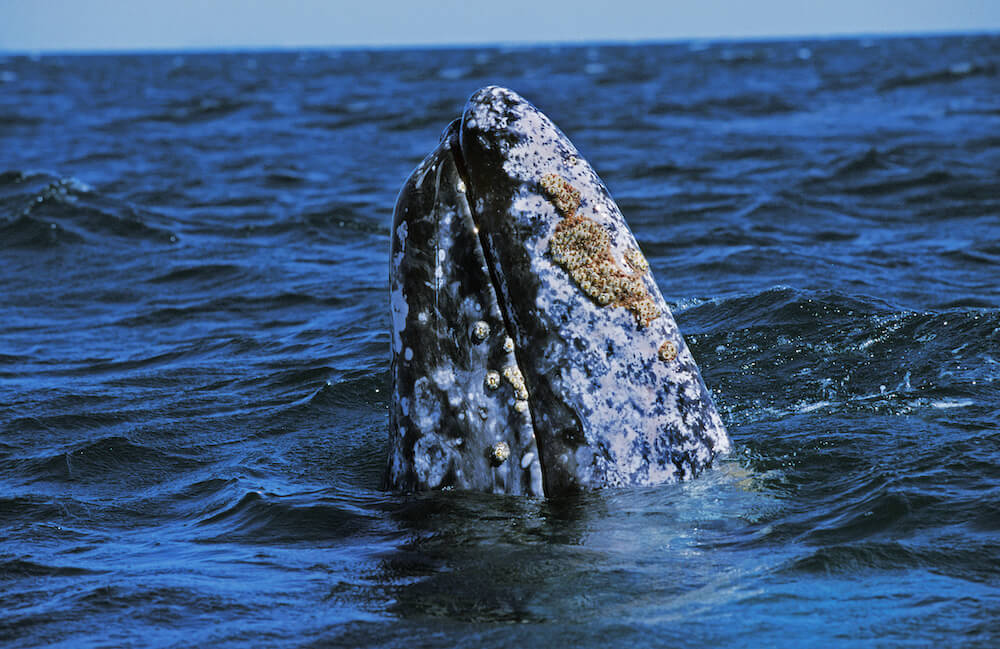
[
  {"x": 480, "y": 330},
  {"x": 499, "y": 453},
  {"x": 492, "y": 380},
  {"x": 513, "y": 375}
]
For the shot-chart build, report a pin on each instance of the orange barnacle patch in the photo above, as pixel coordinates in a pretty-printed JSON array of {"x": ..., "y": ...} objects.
[
  {"x": 583, "y": 248},
  {"x": 565, "y": 196},
  {"x": 636, "y": 260}
]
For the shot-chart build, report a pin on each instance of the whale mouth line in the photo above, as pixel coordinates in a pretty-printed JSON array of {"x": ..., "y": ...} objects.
[
  {"x": 455, "y": 149},
  {"x": 493, "y": 268}
]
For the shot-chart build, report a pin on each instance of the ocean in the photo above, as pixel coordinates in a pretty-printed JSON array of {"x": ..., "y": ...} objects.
[{"x": 194, "y": 351}]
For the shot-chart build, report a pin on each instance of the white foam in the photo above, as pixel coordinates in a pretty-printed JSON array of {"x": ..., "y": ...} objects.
[{"x": 945, "y": 404}]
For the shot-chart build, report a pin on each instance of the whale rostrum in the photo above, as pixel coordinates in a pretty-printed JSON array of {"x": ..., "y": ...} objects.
[{"x": 532, "y": 351}]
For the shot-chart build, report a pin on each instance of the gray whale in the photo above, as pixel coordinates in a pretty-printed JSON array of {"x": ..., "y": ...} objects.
[{"x": 532, "y": 351}]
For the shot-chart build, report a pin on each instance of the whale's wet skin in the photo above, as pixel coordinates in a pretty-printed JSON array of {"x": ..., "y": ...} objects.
[{"x": 532, "y": 352}]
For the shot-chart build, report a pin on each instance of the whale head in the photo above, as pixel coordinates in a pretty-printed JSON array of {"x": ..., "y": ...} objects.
[{"x": 532, "y": 351}]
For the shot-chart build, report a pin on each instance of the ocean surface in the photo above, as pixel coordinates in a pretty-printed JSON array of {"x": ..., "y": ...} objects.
[{"x": 194, "y": 351}]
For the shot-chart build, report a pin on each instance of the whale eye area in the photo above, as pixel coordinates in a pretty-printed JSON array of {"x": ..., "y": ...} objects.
[
  {"x": 573, "y": 436},
  {"x": 582, "y": 247}
]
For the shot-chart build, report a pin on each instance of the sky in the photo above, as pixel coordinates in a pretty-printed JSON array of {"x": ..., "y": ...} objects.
[{"x": 89, "y": 25}]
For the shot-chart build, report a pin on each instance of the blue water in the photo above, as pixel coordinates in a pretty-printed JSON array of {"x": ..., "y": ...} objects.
[{"x": 194, "y": 351}]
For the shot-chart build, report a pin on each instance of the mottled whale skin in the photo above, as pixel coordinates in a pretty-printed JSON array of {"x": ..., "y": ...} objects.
[{"x": 532, "y": 351}]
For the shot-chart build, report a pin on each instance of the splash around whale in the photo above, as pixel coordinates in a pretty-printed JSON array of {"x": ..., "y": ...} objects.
[{"x": 532, "y": 351}]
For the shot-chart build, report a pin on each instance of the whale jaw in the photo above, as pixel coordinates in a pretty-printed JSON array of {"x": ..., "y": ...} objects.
[{"x": 455, "y": 419}]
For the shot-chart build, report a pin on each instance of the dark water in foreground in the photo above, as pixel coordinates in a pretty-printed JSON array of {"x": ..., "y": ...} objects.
[{"x": 194, "y": 351}]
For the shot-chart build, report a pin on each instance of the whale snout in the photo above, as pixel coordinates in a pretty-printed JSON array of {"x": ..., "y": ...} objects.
[{"x": 525, "y": 319}]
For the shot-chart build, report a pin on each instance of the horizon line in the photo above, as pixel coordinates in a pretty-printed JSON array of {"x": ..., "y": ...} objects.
[{"x": 515, "y": 44}]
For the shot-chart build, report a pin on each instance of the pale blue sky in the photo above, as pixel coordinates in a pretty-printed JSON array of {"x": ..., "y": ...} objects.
[{"x": 41, "y": 25}]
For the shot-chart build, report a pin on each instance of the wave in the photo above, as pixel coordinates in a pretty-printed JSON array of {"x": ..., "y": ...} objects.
[
  {"x": 13, "y": 569},
  {"x": 743, "y": 105},
  {"x": 211, "y": 273},
  {"x": 331, "y": 221},
  {"x": 782, "y": 306},
  {"x": 356, "y": 388},
  {"x": 29, "y": 508},
  {"x": 952, "y": 73},
  {"x": 879, "y": 173},
  {"x": 112, "y": 459},
  {"x": 867, "y": 162},
  {"x": 39, "y": 210},
  {"x": 240, "y": 304},
  {"x": 971, "y": 562},
  {"x": 14, "y": 119},
  {"x": 182, "y": 112},
  {"x": 262, "y": 517},
  {"x": 919, "y": 182},
  {"x": 794, "y": 353}
]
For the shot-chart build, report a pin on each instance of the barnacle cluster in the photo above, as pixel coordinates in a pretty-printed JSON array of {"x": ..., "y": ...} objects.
[
  {"x": 667, "y": 351},
  {"x": 565, "y": 196},
  {"x": 636, "y": 260},
  {"x": 513, "y": 375},
  {"x": 583, "y": 248}
]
